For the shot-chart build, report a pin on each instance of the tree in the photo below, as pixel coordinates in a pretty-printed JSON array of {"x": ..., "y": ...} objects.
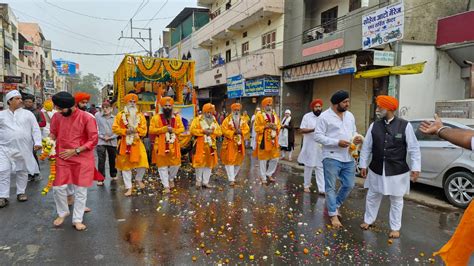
[{"x": 89, "y": 83}]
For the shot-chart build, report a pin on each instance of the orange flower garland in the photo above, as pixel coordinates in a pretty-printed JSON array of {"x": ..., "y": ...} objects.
[
  {"x": 153, "y": 68},
  {"x": 177, "y": 72},
  {"x": 49, "y": 151}
]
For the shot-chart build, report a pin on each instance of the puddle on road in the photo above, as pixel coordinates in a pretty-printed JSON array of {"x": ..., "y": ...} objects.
[{"x": 268, "y": 224}]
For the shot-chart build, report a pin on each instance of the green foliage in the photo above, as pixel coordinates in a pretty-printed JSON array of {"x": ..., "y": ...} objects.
[{"x": 89, "y": 83}]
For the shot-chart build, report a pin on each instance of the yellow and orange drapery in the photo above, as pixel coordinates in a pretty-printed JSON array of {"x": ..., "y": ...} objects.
[{"x": 150, "y": 69}]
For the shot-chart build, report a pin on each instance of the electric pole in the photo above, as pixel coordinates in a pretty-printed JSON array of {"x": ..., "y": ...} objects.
[{"x": 139, "y": 37}]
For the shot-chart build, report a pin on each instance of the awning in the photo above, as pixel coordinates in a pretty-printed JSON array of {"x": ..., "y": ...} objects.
[{"x": 396, "y": 70}]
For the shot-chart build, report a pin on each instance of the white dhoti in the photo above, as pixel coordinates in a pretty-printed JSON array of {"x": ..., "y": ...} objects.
[
  {"x": 380, "y": 185},
  {"x": 232, "y": 171},
  {"x": 127, "y": 176},
  {"x": 70, "y": 190},
  {"x": 80, "y": 198},
  {"x": 319, "y": 176},
  {"x": 268, "y": 171},
  {"x": 167, "y": 174},
  {"x": 203, "y": 175}
]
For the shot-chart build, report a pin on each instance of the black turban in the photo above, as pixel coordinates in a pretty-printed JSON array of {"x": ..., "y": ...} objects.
[
  {"x": 27, "y": 96},
  {"x": 63, "y": 100},
  {"x": 339, "y": 97}
]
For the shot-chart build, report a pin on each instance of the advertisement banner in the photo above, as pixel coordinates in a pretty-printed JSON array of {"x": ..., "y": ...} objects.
[
  {"x": 384, "y": 58},
  {"x": 186, "y": 112},
  {"x": 66, "y": 68},
  {"x": 272, "y": 86},
  {"x": 384, "y": 25},
  {"x": 28, "y": 49},
  {"x": 254, "y": 87},
  {"x": 235, "y": 86},
  {"x": 327, "y": 68}
]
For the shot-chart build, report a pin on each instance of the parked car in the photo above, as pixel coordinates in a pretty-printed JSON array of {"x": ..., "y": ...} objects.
[{"x": 445, "y": 165}]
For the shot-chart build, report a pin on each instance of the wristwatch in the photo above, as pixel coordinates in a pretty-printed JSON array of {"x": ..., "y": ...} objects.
[{"x": 78, "y": 151}]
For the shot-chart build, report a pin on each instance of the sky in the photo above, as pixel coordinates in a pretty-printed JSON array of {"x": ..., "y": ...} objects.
[{"x": 95, "y": 26}]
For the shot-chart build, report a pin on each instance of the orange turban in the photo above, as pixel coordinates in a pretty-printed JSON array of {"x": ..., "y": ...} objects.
[
  {"x": 81, "y": 96},
  {"x": 267, "y": 101},
  {"x": 166, "y": 100},
  {"x": 130, "y": 97},
  {"x": 236, "y": 107},
  {"x": 314, "y": 102},
  {"x": 48, "y": 105},
  {"x": 208, "y": 108},
  {"x": 387, "y": 102}
]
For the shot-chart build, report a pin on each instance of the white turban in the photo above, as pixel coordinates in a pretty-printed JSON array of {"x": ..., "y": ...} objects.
[
  {"x": 11, "y": 94},
  {"x": 288, "y": 111}
]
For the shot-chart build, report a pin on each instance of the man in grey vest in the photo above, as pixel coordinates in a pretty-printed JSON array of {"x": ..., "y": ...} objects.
[{"x": 388, "y": 140}]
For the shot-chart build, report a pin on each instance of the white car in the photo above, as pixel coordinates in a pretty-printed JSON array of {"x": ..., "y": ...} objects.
[{"x": 446, "y": 165}]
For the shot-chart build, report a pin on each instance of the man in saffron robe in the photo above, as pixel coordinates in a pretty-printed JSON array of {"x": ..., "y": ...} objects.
[
  {"x": 206, "y": 130},
  {"x": 131, "y": 125},
  {"x": 267, "y": 127},
  {"x": 166, "y": 151},
  {"x": 75, "y": 132},
  {"x": 235, "y": 130}
]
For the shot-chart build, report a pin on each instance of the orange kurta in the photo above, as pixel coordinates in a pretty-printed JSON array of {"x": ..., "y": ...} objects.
[
  {"x": 137, "y": 158},
  {"x": 271, "y": 149},
  {"x": 232, "y": 153},
  {"x": 160, "y": 155},
  {"x": 202, "y": 156},
  {"x": 460, "y": 247}
]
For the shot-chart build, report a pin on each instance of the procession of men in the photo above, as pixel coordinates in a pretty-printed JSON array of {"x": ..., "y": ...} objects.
[{"x": 329, "y": 138}]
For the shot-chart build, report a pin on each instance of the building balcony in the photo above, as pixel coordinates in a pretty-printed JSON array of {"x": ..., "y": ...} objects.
[
  {"x": 238, "y": 17},
  {"x": 264, "y": 62}
]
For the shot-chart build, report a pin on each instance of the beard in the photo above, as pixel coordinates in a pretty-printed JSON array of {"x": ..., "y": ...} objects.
[
  {"x": 317, "y": 112},
  {"x": 83, "y": 108},
  {"x": 236, "y": 117},
  {"x": 68, "y": 113},
  {"x": 381, "y": 114},
  {"x": 167, "y": 112},
  {"x": 341, "y": 109},
  {"x": 132, "y": 114},
  {"x": 268, "y": 109},
  {"x": 209, "y": 118}
]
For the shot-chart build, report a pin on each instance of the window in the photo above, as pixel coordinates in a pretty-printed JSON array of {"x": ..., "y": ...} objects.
[
  {"x": 228, "y": 56},
  {"x": 354, "y": 5},
  {"x": 245, "y": 48},
  {"x": 244, "y": 35},
  {"x": 269, "y": 40},
  {"x": 227, "y": 43},
  {"x": 329, "y": 20},
  {"x": 423, "y": 137}
]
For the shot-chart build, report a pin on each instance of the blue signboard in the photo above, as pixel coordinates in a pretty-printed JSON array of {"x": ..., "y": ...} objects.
[
  {"x": 254, "y": 87},
  {"x": 272, "y": 86},
  {"x": 235, "y": 86},
  {"x": 66, "y": 68}
]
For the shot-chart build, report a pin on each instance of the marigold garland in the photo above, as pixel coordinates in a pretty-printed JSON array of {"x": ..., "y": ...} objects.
[
  {"x": 154, "y": 66},
  {"x": 49, "y": 151}
]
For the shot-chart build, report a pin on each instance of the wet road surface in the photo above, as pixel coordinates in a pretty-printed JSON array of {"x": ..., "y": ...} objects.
[{"x": 249, "y": 224}]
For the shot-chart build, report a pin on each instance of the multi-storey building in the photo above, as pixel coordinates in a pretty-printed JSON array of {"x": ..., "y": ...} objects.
[
  {"x": 244, "y": 41},
  {"x": 327, "y": 48},
  {"x": 8, "y": 50}
]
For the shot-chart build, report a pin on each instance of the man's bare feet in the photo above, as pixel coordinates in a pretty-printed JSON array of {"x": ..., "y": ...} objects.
[
  {"x": 79, "y": 226},
  {"x": 141, "y": 185},
  {"x": 336, "y": 224},
  {"x": 307, "y": 190},
  {"x": 166, "y": 190},
  {"x": 171, "y": 183},
  {"x": 271, "y": 179},
  {"x": 70, "y": 200},
  {"x": 264, "y": 181},
  {"x": 232, "y": 184},
  {"x": 87, "y": 209},
  {"x": 198, "y": 184},
  {"x": 128, "y": 193},
  {"x": 394, "y": 234},
  {"x": 365, "y": 226},
  {"x": 60, "y": 220}
]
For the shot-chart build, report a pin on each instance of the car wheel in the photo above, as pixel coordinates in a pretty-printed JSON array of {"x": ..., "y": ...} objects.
[{"x": 459, "y": 189}]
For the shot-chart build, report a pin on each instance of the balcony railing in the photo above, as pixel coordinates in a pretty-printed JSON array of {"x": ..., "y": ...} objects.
[
  {"x": 214, "y": 14},
  {"x": 321, "y": 31}
]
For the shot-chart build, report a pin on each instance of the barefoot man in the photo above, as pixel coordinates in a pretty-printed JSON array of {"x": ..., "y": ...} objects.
[
  {"x": 388, "y": 140},
  {"x": 267, "y": 127},
  {"x": 235, "y": 130},
  {"x": 131, "y": 125},
  {"x": 206, "y": 130},
  {"x": 75, "y": 132},
  {"x": 166, "y": 151},
  {"x": 334, "y": 130}
]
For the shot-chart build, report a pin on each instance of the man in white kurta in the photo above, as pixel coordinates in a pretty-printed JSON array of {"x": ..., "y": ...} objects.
[
  {"x": 19, "y": 135},
  {"x": 311, "y": 154},
  {"x": 388, "y": 140}
]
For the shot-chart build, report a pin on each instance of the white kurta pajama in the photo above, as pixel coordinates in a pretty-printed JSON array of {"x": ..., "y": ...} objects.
[
  {"x": 394, "y": 186},
  {"x": 311, "y": 154},
  {"x": 19, "y": 133}
]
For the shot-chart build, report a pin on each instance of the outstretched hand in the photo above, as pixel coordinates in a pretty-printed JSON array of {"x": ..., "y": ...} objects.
[{"x": 431, "y": 127}]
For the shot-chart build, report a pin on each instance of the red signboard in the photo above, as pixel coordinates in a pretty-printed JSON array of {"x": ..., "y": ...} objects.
[
  {"x": 6, "y": 87},
  {"x": 454, "y": 29},
  {"x": 328, "y": 46}
]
